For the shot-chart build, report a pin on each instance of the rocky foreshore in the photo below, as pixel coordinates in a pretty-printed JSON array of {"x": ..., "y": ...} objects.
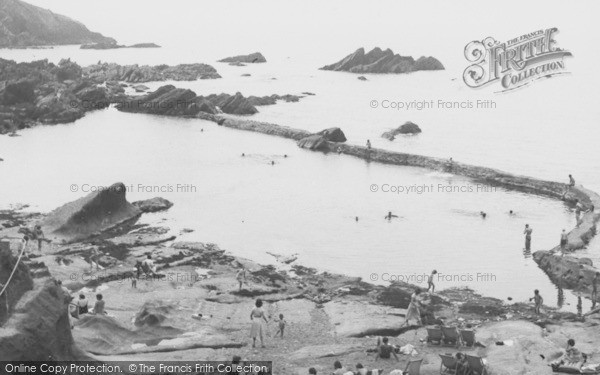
[
  {"x": 330, "y": 317},
  {"x": 41, "y": 92},
  {"x": 378, "y": 61}
]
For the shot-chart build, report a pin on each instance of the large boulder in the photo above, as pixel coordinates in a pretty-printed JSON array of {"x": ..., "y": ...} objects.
[
  {"x": 314, "y": 142},
  {"x": 153, "y": 205},
  {"x": 233, "y": 104},
  {"x": 379, "y": 61},
  {"x": 97, "y": 212},
  {"x": 256, "y": 57},
  {"x": 406, "y": 128},
  {"x": 333, "y": 135}
]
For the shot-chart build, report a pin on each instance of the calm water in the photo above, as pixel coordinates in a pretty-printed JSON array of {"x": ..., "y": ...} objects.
[{"x": 307, "y": 203}]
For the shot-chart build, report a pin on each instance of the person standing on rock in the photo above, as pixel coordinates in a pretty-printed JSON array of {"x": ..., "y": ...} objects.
[
  {"x": 430, "y": 284},
  {"x": 571, "y": 181},
  {"x": 39, "y": 236},
  {"x": 413, "y": 311},
  {"x": 257, "y": 330},
  {"x": 241, "y": 277},
  {"x": 527, "y": 232},
  {"x": 538, "y": 300},
  {"x": 564, "y": 240}
]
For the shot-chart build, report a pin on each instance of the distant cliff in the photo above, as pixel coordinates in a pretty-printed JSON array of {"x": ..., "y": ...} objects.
[
  {"x": 378, "y": 61},
  {"x": 23, "y": 25}
]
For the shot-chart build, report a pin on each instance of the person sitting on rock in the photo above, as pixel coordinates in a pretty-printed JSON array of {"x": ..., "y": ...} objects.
[
  {"x": 148, "y": 265},
  {"x": 82, "y": 304},
  {"x": 338, "y": 369},
  {"x": 385, "y": 350},
  {"x": 572, "y": 357},
  {"x": 99, "y": 305}
]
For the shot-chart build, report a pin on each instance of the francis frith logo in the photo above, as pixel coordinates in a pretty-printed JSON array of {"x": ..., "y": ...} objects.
[{"x": 515, "y": 63}]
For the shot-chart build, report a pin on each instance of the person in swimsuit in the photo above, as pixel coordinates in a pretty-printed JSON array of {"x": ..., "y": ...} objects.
[
  {"x": 385, "y": 350},
  {"x": 82, "y": 305},
  {"x": 389, "y": 216},
  {"x": 39, "y": 235},
  {"x": 564, "y": 240},
  {"x": 413, "y": 311},
  {"x": 281, "y": 325},
  {"x": 527, "y": 232},
  {"x": 571, "y": 181},
  {"x": 257, "y": 330},
  {"x": 338, "y": 369},
  {"x": 99, "y": 305},
  {"x": 430, "y": 284},
  {"x": 241, "y": 277},
  {"x": 537, "y": 298}
]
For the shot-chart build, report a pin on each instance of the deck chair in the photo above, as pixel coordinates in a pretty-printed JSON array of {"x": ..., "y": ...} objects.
[
  {"x": 476, "y": 365},
  {"x": 413, "y": 367},
  {"x": 449, "y": 364},
  {"x": 434, "y": 336},
  {"x": 451, "y": 336},
  {"x": 468, "y": 337}
]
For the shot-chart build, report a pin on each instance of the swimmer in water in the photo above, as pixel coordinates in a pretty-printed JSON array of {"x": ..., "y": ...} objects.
[
  {"x": 389, "y": 216},
  {"x": 356, "y": 218},
  {"x": 285, "y": 155},
  {"x": 272, "y": 162},
  {"x": 483, "y": 214},
  {"x": 243, "y": 154}
]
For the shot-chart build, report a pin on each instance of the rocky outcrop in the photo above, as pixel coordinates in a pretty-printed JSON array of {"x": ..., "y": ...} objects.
[
  {"x": 314, "y": 142},
  {"x": 333, "y": 135},
  {"x": 36, "y": 327},
  {"x": 406, "y": 128},
  {"x": 102, "y": 72},
  {"x": 115, "y": 46},
  {"x": 24, "y": 24},
  {"x": 256, "y": 57},
  {"x": 153, "y": 205},
  {"x": 171, "y": 101},
  {"x": 378, "y": 61},
  {"x": 91, "y": 215}
]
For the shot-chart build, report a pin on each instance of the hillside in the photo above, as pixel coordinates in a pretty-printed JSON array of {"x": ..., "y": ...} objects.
[{"x": 23, "y": 25}]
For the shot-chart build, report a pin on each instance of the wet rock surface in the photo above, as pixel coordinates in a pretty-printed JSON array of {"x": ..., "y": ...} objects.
[{"x": 252, "y": 58}]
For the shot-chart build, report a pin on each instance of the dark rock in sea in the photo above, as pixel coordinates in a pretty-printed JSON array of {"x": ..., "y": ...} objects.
[
  {"x": 97, "y": 212},
  {"x": 233, "y": 104},
  {"x": 270, "y": 100},
  {"x": 406, "y": 128},
  {"x": 138, "y": 74},
  {"x": 114, "y": 45},
  {"x": 237, "y": 63},
  {"x": 378, "y": 61},
  {"x": 256, "y": 57},
  {"x": 153, "y": 205},
  {"x": 308, "y": 93},
  {"x": 362, "y": 78},
  {"x": 24, "y": 25},
  {"x": 144, "y": 45},
  {"x": 333, "y": 135},
  {"x": 246, "y": 75},
  {"x": 314, "y": 142}
]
